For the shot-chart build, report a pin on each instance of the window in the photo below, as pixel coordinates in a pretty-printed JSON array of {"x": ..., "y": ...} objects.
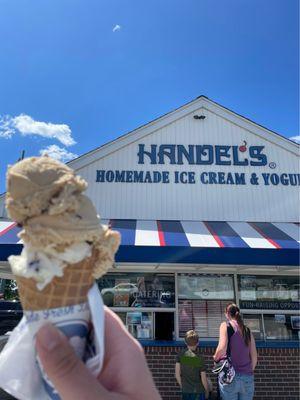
[
  {"x": 280, "y": 293},
  {"x": 254, "y": 322},
  {"x": 138, "y": 290},
  {"x": 269, "y": 292},
  {"x": 149, "y": 325},
  {"x": 206, "y": 287},
  {"x": 139, "y": 324},
  {"x": 281, "y": 327},
  {"x": 201, "y": 302},
  {"x": 132, "y": 295}
]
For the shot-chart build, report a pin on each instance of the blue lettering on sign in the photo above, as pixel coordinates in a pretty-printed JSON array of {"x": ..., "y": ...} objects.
[
  {"x": 257, "y": 158},
  {"x": 236, "y": 160},
  {"x": 222, "y": 155},
  {"x": 206, "y": 154},
  {"x": 191, "y": 177}
]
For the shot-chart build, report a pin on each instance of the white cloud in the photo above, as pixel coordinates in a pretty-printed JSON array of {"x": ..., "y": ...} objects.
[
  {"x": 6, "y": 128},
  {"x": 295, "y": 139},
  {"x": 59, "y": 153},
  {"x": 116, "y": 28},
  {"x": 26, "y": 125}
]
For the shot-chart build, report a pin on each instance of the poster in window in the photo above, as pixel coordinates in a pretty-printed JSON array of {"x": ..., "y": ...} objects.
[
  {"x": 143, "y": 333},
  {"x": 280, "y": 318},
  {"x": 295, "y": 321},
  {"x": 134, "y": 318},
  {"x": 121, "y": 299},
  {"x": 132, "y": 329}
]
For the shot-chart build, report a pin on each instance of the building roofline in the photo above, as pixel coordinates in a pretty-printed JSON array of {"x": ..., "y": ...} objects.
[{"x": 79, "y": 163}]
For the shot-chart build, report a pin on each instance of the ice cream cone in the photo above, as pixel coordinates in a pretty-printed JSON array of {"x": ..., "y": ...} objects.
[{"x": 70, "y": 289}]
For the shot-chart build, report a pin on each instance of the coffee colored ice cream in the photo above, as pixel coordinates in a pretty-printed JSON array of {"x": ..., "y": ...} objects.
[{"x": 60, "y": 224}]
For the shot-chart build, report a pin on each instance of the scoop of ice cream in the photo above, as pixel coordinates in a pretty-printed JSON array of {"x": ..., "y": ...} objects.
[
  {"x": 61, "y": 230},
  {"x": 41, "y": 184},
  {"x": 43, "y": 266},
  {"x": 45, "y": 196}
]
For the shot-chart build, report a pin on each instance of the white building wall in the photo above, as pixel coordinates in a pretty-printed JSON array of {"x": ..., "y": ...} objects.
[{"x": 196, "y": 201}]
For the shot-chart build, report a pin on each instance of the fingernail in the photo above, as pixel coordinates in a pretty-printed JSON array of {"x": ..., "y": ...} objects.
[{"x": 49, "y": 337}]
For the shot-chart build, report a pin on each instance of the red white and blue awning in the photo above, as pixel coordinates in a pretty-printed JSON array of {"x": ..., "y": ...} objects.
[{"x": 205, "y": 242}]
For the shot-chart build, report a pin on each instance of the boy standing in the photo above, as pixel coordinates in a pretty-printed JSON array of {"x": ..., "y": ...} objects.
[{"x": 190, "y": 370}]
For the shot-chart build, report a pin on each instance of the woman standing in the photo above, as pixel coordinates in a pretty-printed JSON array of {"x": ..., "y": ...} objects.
[{"x": 237, "y": 340}]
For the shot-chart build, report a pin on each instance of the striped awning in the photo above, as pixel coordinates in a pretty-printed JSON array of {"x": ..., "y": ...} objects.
[{"x": 211, "y": 242}]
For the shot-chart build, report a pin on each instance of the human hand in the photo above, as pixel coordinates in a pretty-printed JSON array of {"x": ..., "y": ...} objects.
[{"x": 124, "y": 376}]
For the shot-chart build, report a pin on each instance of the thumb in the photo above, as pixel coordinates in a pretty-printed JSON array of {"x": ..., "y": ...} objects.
[{"x": 68, "y": 374}]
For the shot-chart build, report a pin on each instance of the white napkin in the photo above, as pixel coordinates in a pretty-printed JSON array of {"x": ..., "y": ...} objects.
[{"x": 20, "y": 374}]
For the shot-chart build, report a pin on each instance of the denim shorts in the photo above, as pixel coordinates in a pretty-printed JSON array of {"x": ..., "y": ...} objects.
[
  {"x": 193, "y": 396},
  {"x": 241, "y": 388}
]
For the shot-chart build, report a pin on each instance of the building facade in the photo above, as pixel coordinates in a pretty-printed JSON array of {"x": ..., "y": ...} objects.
[{"x": 207, "y": 203}]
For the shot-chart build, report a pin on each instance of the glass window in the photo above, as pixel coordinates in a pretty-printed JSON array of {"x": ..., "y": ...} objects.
[
  {"x": 206, "y": 287},
  {"x": 269, "y": 292},
  {"x": 202, "y": 301},
  {"x": 138, "y": 290},
  {"x": 139, "y": 324},
  {"x": 254, "y": 323},
  {"x": 281, "y": 327}
]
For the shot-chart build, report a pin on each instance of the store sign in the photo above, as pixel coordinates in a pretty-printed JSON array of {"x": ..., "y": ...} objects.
[
  {"x": 269, "y": 305},
  {"x": 178, "y": 154},
  {"x": 201, "y": 155}
]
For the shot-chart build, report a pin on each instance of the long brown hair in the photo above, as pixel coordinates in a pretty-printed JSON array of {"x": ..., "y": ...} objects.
[{"x": 234, "y": 312}]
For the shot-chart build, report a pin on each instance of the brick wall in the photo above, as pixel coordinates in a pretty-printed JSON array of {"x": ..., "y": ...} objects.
[{"x": 276, "y": 376}]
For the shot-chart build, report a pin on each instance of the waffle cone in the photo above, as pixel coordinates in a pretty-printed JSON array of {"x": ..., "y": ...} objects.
[{"x": 70, "y": 289}]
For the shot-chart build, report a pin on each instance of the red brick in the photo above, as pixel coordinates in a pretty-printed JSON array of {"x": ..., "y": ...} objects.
[{"x": 276, "y": 376}]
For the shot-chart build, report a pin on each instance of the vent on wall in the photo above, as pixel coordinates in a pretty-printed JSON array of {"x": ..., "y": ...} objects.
[{"x": 199, "y": 117}]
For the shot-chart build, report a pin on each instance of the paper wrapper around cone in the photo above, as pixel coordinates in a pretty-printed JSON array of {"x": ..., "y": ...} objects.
[{"x": 70, "y": 289}]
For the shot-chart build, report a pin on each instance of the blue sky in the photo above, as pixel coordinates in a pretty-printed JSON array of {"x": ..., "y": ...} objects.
[{"x": 75, "y": 74}]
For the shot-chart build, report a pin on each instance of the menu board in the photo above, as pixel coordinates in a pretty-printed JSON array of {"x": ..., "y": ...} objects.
[
  {"x": 206, "y": 287},
  {"x": 203, "y": 316}
]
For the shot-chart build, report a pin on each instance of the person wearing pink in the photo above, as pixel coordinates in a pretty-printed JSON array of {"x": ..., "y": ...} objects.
[{"x": 236, "y": 338}]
